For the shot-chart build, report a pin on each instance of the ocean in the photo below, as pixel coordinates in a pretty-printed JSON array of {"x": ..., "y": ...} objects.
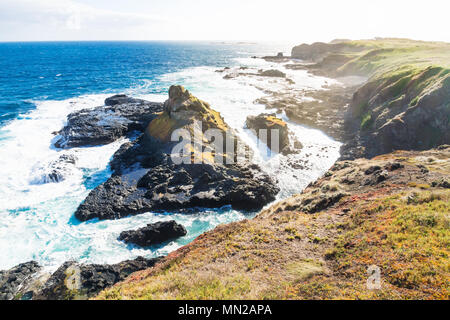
[{"x": 42, "y": 82}]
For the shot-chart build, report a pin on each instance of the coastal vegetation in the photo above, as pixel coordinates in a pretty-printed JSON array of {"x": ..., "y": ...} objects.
[
  {"x": 383, "y": 218},
  {"x": 375, "y": 226},
  {"x": 389, "y": 213},
  {"x": 405, "y": 102}
]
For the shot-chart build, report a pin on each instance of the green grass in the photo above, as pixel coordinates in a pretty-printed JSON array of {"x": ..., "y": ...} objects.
[
  {"x": 366, "y": 121},
  {"x": 401, "y": 74},
  {"x": 389, "y": 57}
]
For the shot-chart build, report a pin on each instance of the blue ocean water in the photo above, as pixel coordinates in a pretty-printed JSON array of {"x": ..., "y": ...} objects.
[
  {"x": 61, "y": 70},
  {"x": 42, "y": 82}
]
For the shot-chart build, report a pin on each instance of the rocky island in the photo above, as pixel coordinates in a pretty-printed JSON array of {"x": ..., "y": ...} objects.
[{"x": 146, "y": 179}]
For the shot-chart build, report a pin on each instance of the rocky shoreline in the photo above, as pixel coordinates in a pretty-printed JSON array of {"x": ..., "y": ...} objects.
[
  {"x": 145, "y": 178},
  {"x": 72, "y": 280},
  {"x": 390, "y": 212},
  {"x": 382, "y": 114}
]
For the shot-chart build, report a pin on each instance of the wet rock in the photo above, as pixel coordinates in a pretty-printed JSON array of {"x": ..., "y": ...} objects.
[
  {"x": 55, "y": 171},
  {"x": 11, "y": 281},
  {"x": 102, "y": 125},
  {"x": 80, "y": 281},
  {"x": 154, "y": 234}
]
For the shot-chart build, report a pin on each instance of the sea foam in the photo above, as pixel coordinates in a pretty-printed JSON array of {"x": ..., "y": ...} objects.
[{"x": 36, "y": 219}]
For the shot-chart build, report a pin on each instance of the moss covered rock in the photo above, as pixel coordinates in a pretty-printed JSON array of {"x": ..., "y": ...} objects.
[
  {"x": 276, "y": 135},
  {"x": 180, "y": 111}
]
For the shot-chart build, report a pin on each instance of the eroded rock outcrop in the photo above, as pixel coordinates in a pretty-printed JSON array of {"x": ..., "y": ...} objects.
[
  {"x": 154, "y": 233},
  {"x": 319, "y": 50},
  {"x": 403, "y": 104},
  {"x": 146, "y": 178},
  {"x": 71, "y": 281},
  {"x": 276, "y": 134}
]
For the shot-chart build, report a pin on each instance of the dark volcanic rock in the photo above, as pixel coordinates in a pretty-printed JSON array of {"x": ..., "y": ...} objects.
[
  {"x": 145, "y": 178},
  {"x": 154, "y": 233},
  {"x": 105, "y": 124},
  {"x": 12, "y": 280},
  {"x": 79, "y": 281},
  {"x": 172, "y": 187},
  {"x": 122, "y": 99}
]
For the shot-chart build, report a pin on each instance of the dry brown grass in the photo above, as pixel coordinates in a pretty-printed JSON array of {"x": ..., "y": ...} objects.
[{"x": 286, "y": 254}]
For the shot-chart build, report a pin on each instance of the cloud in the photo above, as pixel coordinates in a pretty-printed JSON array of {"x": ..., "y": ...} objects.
[{"x": 69, "y": 15}]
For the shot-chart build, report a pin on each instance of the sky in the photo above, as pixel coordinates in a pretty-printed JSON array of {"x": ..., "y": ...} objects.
[{"x": 241, "y": 20}]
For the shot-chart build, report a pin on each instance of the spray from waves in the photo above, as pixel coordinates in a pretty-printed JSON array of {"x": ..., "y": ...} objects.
[
  {"x": 36, "y": 215},
  {"x": 235, "y": 100},
  {"x": 36, "y": 219}
]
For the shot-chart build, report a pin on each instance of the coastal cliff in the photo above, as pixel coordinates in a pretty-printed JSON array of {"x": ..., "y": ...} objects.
[
  {"x": 389, "y": 213},
  {"x": 381, "y": 211},
  {"x": 405, "y": 102},
  {"x": 385, "y": 217}
]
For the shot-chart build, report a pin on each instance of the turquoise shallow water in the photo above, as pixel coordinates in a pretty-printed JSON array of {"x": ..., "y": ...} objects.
[{"x": 41, "y": 83}]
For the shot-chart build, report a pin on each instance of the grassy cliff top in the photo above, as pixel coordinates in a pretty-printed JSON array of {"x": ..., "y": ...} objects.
[
  {"x": 391, "y": 212},
  {"x": 380, "y": 58},
  {"x": 405, "y": 103}
]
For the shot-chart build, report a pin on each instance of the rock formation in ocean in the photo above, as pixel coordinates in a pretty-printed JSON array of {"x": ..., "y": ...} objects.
[
  {"x": 154, "y": 233},
  {"x": 275, "y": 133},
  {"x": 120, "y": 116},
  {"x": 145, "y": 177},
  {"x": 55, "y": 171}
]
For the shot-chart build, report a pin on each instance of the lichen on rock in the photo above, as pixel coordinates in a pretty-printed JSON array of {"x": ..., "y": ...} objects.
[{"x": 276, "y": 135}]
